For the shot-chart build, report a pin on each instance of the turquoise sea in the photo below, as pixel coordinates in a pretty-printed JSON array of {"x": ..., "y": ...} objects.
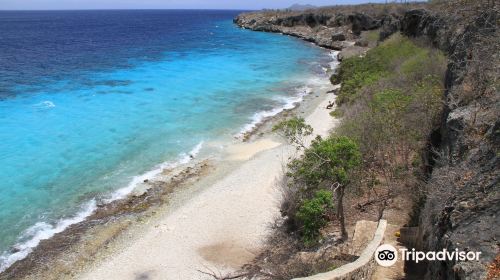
[{"x": 90, "y": 100}]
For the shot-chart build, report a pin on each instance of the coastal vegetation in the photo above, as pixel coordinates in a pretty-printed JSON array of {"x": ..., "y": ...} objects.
[
  {"x": 395, "y": 58},
  {"x": 390, "y": 108},
  {"x": 313, "y": 214},
  {"x": 390, "y": 100},
  {"x": 323, "y": 169}
]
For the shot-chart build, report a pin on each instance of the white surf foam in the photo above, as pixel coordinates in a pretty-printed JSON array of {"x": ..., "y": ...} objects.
[
  {"x": 334, "y": 64},
  {"x": 42, "y": 230},
  {"x": 287, "y": 103},
  {"x": 45, "y": 105},
  {"x": 182, "y": 159}
]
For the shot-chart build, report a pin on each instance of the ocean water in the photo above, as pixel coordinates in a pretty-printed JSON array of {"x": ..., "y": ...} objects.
[{"x": 92, "y": 100}]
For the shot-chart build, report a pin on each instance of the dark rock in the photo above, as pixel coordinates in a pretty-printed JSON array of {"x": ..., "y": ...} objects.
[
  {"x": 361, "y": 22},
  {"x": 338, "y": 37},
  {"x": 423, "y": 23},
  {"x": 340, "y": 57},
  {"x": 307, "y": 19},
  {"x": 412, "y": 22},
  {"x": 390, "y": 25},
  {"x": 338, "y": 20},
  {"x": 361, "y": 43},
  {"x": 464, "y": 190}
]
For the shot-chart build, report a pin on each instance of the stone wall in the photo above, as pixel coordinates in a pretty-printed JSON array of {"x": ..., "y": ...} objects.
[{"x": 362, "y": 268}]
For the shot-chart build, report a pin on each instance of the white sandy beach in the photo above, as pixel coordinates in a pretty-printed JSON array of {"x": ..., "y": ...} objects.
[{"x": 219, "y": 228}]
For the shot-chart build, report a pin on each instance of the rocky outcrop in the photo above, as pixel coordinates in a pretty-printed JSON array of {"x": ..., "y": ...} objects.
[
  {"x": 339, "y": 36},
  {"x": 389, "y": 26},
  {"x": 326, "y": 28},
  {"x": 361, "y": 22},
  {"x": 310, "y": 27}
]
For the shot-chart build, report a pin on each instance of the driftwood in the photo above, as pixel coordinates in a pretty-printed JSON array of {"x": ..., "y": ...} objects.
[
  {"x": 361, "y": 206},
  {"x": 219, "y": 276}
]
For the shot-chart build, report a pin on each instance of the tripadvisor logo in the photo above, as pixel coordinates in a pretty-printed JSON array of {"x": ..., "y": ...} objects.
[{"x": 387, "y": 255}]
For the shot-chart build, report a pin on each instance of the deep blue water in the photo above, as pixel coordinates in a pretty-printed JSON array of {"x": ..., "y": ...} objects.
[{"x": 91, "y": 99}]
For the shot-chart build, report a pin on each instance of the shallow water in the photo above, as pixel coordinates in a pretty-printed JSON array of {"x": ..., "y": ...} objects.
[{"x": 89, "y": 100}]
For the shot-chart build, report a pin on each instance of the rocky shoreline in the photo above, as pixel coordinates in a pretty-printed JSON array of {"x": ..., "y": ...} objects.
[{"x": 64, "y": 253}]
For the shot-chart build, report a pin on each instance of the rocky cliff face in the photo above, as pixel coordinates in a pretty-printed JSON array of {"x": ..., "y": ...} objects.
[
  {"x": 462, "y": 209},
  {"x": 329, "y": 29}
]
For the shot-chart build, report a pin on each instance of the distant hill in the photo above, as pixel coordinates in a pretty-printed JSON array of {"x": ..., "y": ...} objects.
[{"x": 299, "y": 7}]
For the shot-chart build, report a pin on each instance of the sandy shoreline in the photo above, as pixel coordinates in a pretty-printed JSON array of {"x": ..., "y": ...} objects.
[{"x": 221, "y": 226}]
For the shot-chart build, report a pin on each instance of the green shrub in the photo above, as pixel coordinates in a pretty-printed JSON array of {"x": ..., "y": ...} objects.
[
  {"x": 312, "y": 215},
  {"x": 337, "y": 113},
  {"x": 335, "y": 79},
  {"x": 391, "y": 117},
  {"x": 390, "y": 100},
  {"x": 378, "y": 63}
]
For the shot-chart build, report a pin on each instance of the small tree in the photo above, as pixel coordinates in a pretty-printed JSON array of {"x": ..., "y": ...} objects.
[
  {"x": 295, "y": 130},
  {"x": 327, "y": 164}
]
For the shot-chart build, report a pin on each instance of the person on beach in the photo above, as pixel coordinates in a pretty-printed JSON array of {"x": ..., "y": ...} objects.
[{"x": 330, "y": 105}]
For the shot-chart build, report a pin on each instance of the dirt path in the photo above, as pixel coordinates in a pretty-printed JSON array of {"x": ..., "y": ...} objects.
[{"x": 396, "y": 271}]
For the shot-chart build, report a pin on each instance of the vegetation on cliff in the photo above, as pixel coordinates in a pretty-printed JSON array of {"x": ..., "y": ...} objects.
[
  {"x": 390, "y": 107},
  {"x": 395, "y": 58},
  {"x": 391, "y": 99}
]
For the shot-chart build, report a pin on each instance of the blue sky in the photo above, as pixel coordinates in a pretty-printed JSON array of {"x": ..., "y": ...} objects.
[{"x": 164, "y": 4}]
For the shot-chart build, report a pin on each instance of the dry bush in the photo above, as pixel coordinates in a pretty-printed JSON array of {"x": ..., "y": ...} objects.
[
  {"x": 290, "y": 202},
  {"x": 392, "y": 117}
]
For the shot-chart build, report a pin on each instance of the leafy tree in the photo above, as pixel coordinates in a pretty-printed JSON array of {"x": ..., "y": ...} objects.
[
  {"x": 327, "y": 164},
  {"x": 294, "y": 130}
]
